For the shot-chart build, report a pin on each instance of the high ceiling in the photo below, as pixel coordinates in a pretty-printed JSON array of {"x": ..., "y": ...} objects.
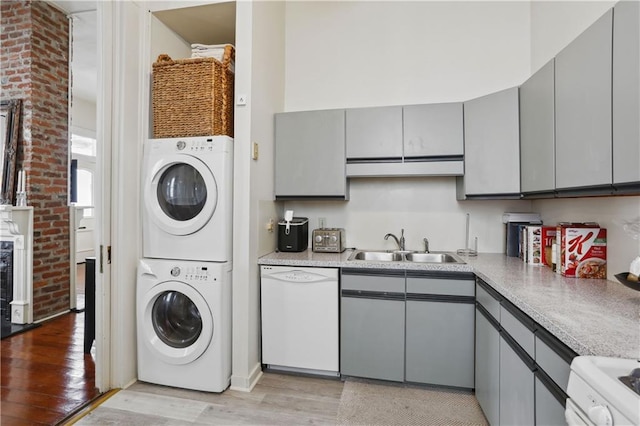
[{"x": 208, "y": 24}]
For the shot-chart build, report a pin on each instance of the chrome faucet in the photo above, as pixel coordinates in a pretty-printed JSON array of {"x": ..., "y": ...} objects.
[
  {"x": 399, "y": 242},
  {"x": 426, "y": 245}
]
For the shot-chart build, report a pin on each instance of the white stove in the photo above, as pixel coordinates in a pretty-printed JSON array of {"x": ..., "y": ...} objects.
[{"x": 597, "y": 395}]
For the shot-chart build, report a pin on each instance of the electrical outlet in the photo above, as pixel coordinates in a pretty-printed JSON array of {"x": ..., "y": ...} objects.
[{"x": 255, "y": 151}]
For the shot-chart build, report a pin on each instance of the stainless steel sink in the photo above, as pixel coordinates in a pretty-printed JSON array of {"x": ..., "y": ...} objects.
[
  {"x": 378, "y": 256},
  {"x": 403, "y": 256},
  {"x": 431, "y": 258}
]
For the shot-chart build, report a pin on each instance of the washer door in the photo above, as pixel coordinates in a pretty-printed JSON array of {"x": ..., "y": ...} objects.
[
  {"x": 181, "y": 194},
  {"x": 178, "y": 324}
]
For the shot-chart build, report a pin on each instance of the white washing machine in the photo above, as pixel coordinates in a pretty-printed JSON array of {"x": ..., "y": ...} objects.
[
  {"x": 184, "y": 323},
  {"x": 187, "y": 193}
]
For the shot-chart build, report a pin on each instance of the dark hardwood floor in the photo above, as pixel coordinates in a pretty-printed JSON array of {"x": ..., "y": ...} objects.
[{"x": 45, "y": 374}]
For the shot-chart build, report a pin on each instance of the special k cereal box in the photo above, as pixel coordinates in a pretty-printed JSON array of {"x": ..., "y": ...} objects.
[{"x": 583, "y": 251}]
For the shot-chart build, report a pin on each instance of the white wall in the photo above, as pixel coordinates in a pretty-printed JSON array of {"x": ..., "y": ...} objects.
[
  {"x": 165, "y": 41},
  {"x": 351, "y": 54},
  {"x": 367, "y": 53},
  {"x": 555, "y": 23},
  {"x": 83, "y": 117},
  {"x": 260, "y": 76}
]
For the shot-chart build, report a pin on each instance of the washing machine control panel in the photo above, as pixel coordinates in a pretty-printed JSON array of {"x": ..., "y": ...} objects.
[
  {"x": 195, "y": 144},
  {"x": 195, "y": 274}
]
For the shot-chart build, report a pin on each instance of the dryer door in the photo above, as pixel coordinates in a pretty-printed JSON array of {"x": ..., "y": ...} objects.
[
  {"x": 180, "y": 194},
  {"x": 177, "y": 324}
]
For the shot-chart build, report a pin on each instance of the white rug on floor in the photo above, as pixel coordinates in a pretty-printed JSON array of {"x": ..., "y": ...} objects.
[{"x": 364, "y": 403}]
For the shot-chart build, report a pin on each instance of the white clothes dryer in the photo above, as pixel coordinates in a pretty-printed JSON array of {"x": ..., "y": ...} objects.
[
  {"x": 184, "y": 324},
  {"x": 187, "y": 194}
]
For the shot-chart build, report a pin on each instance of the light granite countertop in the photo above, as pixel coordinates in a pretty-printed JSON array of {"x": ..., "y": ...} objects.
[{"x": 592, "y": 317}]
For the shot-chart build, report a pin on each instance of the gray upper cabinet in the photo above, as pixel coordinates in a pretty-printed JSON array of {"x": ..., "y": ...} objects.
[
  {"x": 310, "y": 154},
  {"x": 537, "y": 135},
  {"x": 374, "y": 133},
  {"x": 626, "y": 92},
  {"x": 433, "y": 130},
  {"x": 583, "y": 108},
  {"x": 491, "y": 146}
]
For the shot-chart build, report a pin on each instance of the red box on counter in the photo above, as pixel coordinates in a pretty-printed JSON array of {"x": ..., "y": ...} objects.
[
  {"x": 548, "y": 234},
  {"x": 583, "y": 250}
]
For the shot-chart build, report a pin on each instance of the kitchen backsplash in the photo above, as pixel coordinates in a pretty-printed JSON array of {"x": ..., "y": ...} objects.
[{"x": 427, "y": 207}]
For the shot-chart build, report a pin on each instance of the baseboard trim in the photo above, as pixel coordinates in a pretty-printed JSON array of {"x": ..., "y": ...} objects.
[{"x": 246, "y": 384}]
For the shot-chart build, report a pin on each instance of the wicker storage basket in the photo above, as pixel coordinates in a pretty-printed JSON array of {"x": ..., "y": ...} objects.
[{"x": 192, "y": 97}]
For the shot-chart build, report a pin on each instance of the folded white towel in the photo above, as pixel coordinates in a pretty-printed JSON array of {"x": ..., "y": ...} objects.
[{"x": 209, "y": 46}]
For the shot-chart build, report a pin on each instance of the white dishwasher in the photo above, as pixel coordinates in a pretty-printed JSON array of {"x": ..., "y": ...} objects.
[{"x": 300, "y": 325}]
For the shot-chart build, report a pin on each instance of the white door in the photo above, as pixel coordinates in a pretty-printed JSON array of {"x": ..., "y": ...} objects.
[{"x": 122, "y": 120}]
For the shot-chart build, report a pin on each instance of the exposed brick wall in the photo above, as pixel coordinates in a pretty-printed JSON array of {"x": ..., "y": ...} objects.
[{"x": 34, "y": 40}]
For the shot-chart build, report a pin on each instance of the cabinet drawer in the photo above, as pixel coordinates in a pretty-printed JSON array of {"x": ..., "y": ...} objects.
[
  {"x": 519, "y": 327},
  {"x": 443, "y": 286},
  {"x": 490, "y": 303},
  {"x": 390, "y": 283},
  {"x": 554, "y": 358}
]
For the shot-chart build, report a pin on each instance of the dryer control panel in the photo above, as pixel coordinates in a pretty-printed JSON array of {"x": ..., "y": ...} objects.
[{"x": 193, "y": 273}]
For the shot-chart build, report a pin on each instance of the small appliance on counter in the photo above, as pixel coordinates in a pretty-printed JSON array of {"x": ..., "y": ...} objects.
[
  {"x": 293, "y": 233},
  {"x": 328, "y": 240}
]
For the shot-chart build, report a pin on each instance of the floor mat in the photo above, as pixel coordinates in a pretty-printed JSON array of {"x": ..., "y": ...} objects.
[{"x": 376, "y": 404}]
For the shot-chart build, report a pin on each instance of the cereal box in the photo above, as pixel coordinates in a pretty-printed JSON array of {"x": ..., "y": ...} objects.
[
  {"x": 548, "y": 235},
  {"x": 583, "y": 251},
  {"x": 534, "y": 245}
]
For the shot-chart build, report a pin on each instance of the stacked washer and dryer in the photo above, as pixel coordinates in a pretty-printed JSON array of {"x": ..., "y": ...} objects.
[{"x": 183, "y": 295}]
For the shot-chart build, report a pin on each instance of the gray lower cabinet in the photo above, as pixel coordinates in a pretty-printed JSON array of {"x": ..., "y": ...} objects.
[
  {"x": 537, "y": 136},
  {"x": 487, "y": 368},
  {"x": 517, "y": 400},
  {"x": 440, "y": 330},
  {"x": 310, "y": 155},
  {"x": 626, "y": 92},
  {"x": 550, "y": 402},
  {"x": 521, "y": 369},
  {"x": 491, "y": 147},
  {"x": 372, "y": 325},
  {"x": 583, "y": 108}
]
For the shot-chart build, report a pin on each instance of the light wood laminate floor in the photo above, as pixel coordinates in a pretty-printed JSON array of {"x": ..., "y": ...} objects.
[{"x": 282, "y": 399}]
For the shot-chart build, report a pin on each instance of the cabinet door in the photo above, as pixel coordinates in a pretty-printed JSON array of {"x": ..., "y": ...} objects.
[
  {"x": 517, "y": 403},
  {"x": 487, "y": 369},
  {"x": 310, "y": 154},
  {"x": 374, "y": 133},
  {"x": 537, "y": 134},
  {"x": 433, "y": 130},
  {"x": 435, "y": 357},
  {"x": 583, "y": 108},
  {"x": 492, "y": 144},
  {"x": 550, "y": 403},
  {"x": 626, "y": 92},
  {"x": 372, "y": 325}
]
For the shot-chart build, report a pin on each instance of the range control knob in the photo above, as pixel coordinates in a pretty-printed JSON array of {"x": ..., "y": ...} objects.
[{"x": 600, "y": 415}]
